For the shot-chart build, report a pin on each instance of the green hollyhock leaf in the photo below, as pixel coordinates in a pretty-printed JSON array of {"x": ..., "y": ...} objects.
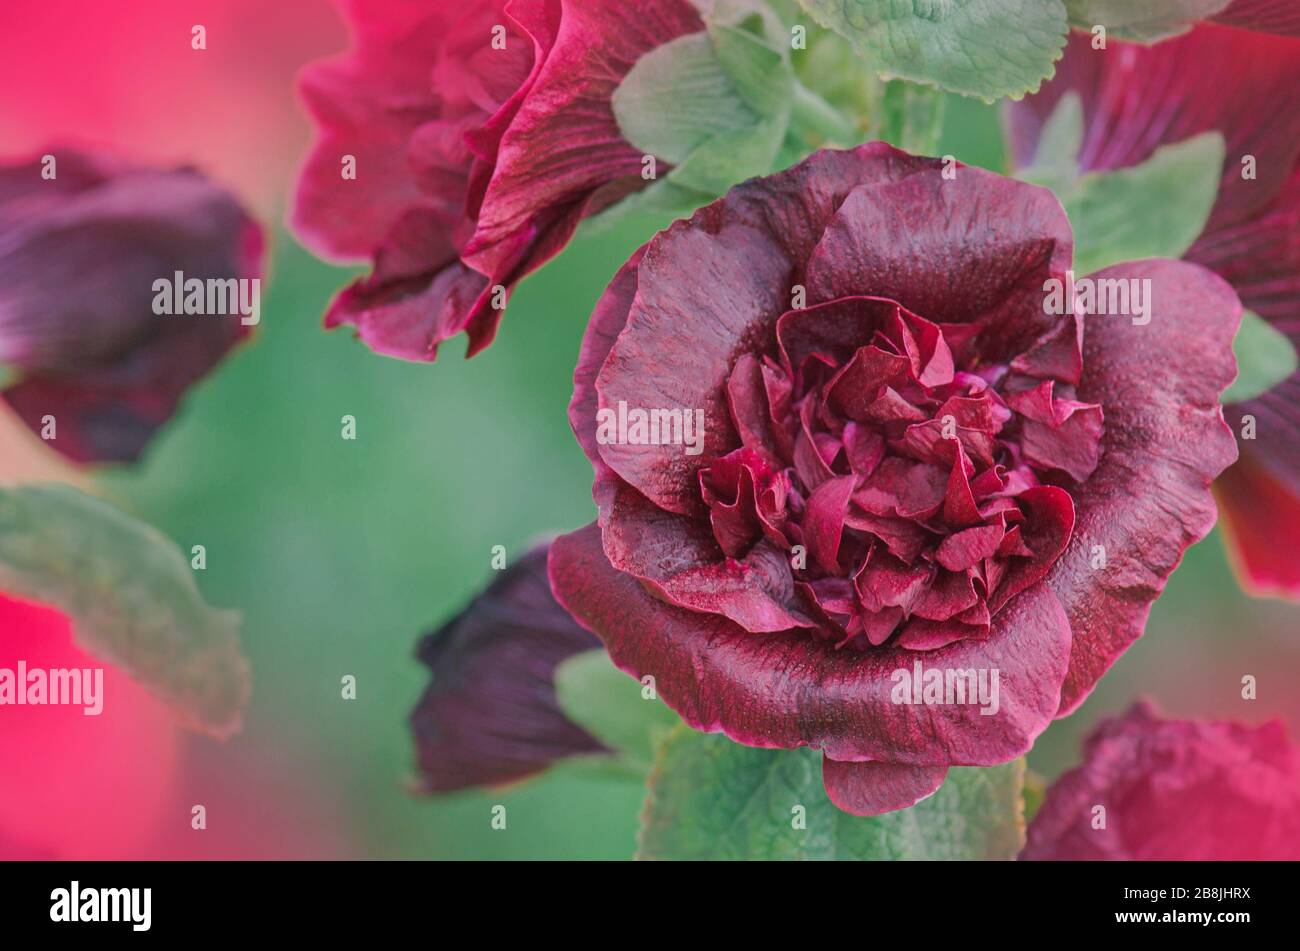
[
  {"x": 1143, "y": 20},
  {"x": 710, "y": 798},
  {"x": 831, "y": 66},
  {"x": 677, "y": 97},
  {"x": 760, "y": 75},
  {"x": 131, "y": 596},
  {"x": 1265, "y": 357},
  {"x": 1153, "y": 210},
  {"x": 714, "y": 105},
  {"x": 651, "y": 209},
  {"x": 612, "y": 706},
  {"x": 730, "y": 157},
  {"x": 983, "y": 48}
]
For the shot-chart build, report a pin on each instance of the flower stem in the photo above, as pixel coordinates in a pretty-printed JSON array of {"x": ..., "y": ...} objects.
[{"x": 813, "y": 115}]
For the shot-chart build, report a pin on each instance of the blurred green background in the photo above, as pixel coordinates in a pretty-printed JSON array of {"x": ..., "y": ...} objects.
[{"x": 340, "y": 554}]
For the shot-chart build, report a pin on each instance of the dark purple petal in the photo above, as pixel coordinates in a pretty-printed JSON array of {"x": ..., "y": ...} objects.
[
  {"x": 490, "y": 715},
  {"x": 78, "y": 264}
]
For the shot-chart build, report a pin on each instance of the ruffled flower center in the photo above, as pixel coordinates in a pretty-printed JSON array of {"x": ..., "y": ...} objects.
[{"x": 917, "y": 487}]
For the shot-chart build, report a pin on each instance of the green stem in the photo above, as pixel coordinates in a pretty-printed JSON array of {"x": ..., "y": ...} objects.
[{"x": 810, "y": 113}]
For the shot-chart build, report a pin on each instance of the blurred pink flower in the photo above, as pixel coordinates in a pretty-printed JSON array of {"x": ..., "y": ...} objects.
[
  {"x": 121, "y": 785},
  {"x": 126, "y": 76},
  {"x": 77, "y": 786},
  {"x": 1174, "y": 790}
]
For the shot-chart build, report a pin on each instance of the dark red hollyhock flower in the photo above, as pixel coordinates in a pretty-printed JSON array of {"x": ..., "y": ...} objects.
[
  {"x": 1174, "y": 790},
  {"x": 947, "y": 454},
  {"x": 1243, "y": 84},
  {"x": 490, "y": 715},
  {"x": 482, "y": 134},
  {"x": 79, "y": 255}
]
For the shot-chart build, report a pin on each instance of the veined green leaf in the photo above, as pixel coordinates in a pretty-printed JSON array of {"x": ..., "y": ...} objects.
[
  {"x": 131, "y": 597},
  {"x": 710, "y": 798},
  {"x": 983, "y": 48}
]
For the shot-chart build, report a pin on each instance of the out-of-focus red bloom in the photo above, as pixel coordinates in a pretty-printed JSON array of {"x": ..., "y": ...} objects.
[
  {"x": 1243, "y": 84},
  {"x": 78, "y": 262},
  {"x": 482, "y": 133},
  {"x": 912, "y": 466},
  {"x": 1174, "y": 790}
]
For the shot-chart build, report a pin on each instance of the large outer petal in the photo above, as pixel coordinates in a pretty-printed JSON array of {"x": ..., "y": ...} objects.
[
  {"x": 1261, "y": 259},
  {"x": 1164, "y": 442},
  {"x": 604, "y": 326},
  {"x": 788, "y": 689},
  {"x": 704, "y": 296},
  {"x": 869, "y": 789},
  {"x": 976, "y": 248}
]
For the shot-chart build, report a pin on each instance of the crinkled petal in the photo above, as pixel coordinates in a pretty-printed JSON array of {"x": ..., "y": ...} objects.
[
  {"x": 824, "y": 521},
  {"x": 407, "y": 316},
  {"x": 679, "y": 558},
  {"x": 367, "y": 103}
]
